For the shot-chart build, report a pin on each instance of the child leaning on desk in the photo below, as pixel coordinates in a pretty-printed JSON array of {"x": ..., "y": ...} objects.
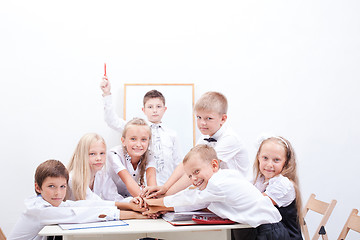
[
  {"x": 164, "y": 144},
  {"x": 89, "y": 179},
  {"x": 128, "y": 163},
  {"x": 226, "y": 193},
  {"x": 211, "y": 114},
  {"x": 48, "y": 207}
]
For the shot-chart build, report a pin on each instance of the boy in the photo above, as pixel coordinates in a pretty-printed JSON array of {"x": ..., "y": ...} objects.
[
  {"x": 51, "y": 179},
  {"x": 226, "y": 193},
  {"x": 211, "y": 115},
  {"x": 164, "y": 141}
]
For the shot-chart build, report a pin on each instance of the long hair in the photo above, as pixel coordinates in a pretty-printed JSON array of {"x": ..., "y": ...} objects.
[
  {"x": 289, "y": 170},
  {"x": 144, "y": 157},
  {"x": 79, "y": 166}
]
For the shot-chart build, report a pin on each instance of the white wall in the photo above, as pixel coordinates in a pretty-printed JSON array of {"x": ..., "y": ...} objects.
[{"x": 287, "y": 67}]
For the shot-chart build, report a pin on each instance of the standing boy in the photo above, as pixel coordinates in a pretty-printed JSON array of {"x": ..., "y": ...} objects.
[
  {"x": 164, "y": 144},
  {"x": 51, "y": 180},
  {"x": 211, "y": 114},
  {"x": 226, "y": 193}
]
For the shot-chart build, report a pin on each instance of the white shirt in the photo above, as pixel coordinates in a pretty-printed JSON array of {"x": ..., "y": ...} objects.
[
  {"x": 171, "y": 152},
  {"x": 230, "y": 150},
  {"x": 279, "y": 188},
  {"x": 104, "y": 189},
  {"x": 40, "y": 213},
  {"x": 117, "y": 161},
  {"x": 229, "y": 195}
]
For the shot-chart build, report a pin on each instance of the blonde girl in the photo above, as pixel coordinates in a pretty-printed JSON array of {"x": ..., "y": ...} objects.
[
  {"x": 276, "y": 176},
  {"x": 88, "y": 177},
  {"x": 129, "y": 162}
]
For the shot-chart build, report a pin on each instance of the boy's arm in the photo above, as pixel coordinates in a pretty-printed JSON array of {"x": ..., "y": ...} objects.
[
  {"x": 105, "y": 86},
  {"x": 110, "y": 116},
  {"x": 132, "y": 205},
  {"x": 179, "y": 185},
  {"x": 156, "y": 205},
  {"x": 131, "y": 215},
  {"x": 150, "y": 192},
  {"x": 158, "y": 209},
  {"x": 155, "y": 202}
]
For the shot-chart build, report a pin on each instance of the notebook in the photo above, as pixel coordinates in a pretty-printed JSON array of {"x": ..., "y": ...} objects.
[{"x": 76, "y": 226}]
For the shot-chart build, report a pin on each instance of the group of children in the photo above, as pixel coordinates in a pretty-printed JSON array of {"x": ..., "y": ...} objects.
[{"x": 147, "y": 175}]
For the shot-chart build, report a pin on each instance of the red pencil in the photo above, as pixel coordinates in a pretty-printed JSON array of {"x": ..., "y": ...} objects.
[{"x": 105, "y": 69}]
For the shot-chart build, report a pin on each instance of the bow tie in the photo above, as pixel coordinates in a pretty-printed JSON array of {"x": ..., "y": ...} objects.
[
  {"x": 210, "y": 139},
  {"x": 155, "y": 126}
]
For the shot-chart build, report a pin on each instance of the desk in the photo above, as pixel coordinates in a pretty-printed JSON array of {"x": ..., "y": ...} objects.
[{"x": 141, "y": 228}]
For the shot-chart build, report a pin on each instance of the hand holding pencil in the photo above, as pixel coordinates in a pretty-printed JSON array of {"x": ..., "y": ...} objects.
[{"x": 105, "y": 84}]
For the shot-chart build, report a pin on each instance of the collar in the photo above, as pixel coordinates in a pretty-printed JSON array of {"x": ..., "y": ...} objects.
[{"x": 218, "y": 134}]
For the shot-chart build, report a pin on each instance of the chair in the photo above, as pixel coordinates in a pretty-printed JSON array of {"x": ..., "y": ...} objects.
[
  {"x": 322, "y": 208},
  {"x": 2, "y": 235},
  {"x": 353, "y": 223}
]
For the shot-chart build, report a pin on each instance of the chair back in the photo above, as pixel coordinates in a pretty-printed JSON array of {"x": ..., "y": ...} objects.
[
  {"x": 2, "y": 235},
  {"x": 353, "y": 223},
  {"x": 322, "y": 208}
]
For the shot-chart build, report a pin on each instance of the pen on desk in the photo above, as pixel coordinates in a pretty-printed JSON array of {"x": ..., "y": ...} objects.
[{"x": 105, "y": 69}]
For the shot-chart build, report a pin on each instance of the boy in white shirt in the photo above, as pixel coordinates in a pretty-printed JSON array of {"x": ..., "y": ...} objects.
[
  {"x": 226, "y": 193},
  {"x": 164, "y": 145},
  {"x": 211, "y": 114},
  {"x": 51, "y": 180}
]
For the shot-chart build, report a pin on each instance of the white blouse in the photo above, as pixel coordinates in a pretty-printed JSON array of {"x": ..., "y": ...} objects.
[
  {"x": 229, "y": 195},
  {"x": 104, "y": 189},
  {"x": 117, "y": 161},
  {"x": 280, "y": 189}
]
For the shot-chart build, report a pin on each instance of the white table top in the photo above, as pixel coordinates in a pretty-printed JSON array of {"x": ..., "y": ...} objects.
[{"x": 137, "y": 226}]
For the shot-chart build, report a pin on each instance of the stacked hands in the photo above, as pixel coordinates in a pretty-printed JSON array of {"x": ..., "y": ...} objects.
[{"x": 148, "y": 203}]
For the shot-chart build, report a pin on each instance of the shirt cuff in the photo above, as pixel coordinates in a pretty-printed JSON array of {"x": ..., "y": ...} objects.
[
  {"x": 114, "y": 216},
  {"x": 167, "y": 201}
]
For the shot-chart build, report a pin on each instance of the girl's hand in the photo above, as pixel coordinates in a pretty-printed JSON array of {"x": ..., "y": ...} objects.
[
  {"x": 153, "y": 202},
  {"x": 139, "y": 201},
  {"x": 153, "y": 211},
  {"x": 105, "y": 86},
  {"x": 138, "y": 204}
]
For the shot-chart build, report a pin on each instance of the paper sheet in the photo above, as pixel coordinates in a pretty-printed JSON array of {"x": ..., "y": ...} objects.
[{"x": 93, "y": 225}]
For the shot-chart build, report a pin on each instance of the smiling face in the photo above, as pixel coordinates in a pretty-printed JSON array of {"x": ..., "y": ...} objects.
[
  {"x": 272, "y": 158},
  {"x": 209, "y": 122},
  {"x": 97, "y": 156},
  {"x": 136, "y": 141},
  {"x": 53, "y": 190},
  {"x": 200, "y": 171},
  {"x": 154, "y": 110}
]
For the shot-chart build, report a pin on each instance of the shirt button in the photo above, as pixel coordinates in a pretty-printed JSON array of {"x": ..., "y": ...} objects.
[{"x": 134, "y": 175}]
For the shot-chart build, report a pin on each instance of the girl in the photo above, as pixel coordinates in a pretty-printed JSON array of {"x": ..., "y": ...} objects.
[
  {"x": 129, "y": 162},
  {"x": 275, "y": 176},
  {"x": 88, "y": 177}
]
